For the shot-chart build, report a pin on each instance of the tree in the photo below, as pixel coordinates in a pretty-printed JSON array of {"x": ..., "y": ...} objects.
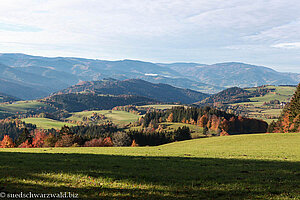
[
  {"x": 24, "y": 136},
  {"x": 271, "y": 127},
  {"x": 96, "y": 142},
  {"x": 121, "y": 139},
  {"x": 170, "y": 118},
  {"x": 7, "y": 142},
  {"x": 39, "y": 138},
  {"x": 25, "y": 144},
  {"x": 134, "y": 144},
  {"x": 205, "y": 131},
  {"x": 65, "y": 141},
  {"x": 50, "y": 141},
  {"x": 107, "y": 142}
]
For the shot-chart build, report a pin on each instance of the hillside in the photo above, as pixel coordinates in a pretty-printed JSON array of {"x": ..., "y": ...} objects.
[
  {"x": 264, "y": 102},
  {"x": 7, "y": 98},
  {"x": 76, "y": 102},
  {"x": 138, "y": 87},
  {"x": 44, "y": 75},
  {"x": 230, "y": 95},
  {"x": 289, "y": 120}
]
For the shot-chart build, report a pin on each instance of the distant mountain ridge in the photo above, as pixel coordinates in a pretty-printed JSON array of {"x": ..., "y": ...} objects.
[
  {"x": 7, "y": 98},
  {"x": 161, "y": 92},
  {"x": 31, "y": 77}
]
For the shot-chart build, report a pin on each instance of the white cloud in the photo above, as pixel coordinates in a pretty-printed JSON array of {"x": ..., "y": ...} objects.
[{"x": 291, "y": 45}]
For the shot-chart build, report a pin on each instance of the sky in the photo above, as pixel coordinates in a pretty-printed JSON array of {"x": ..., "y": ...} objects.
[{"x": 261, "y": 32}]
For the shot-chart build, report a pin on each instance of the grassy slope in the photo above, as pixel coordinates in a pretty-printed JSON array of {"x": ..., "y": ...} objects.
[
  {"x": 117, "y": 117},
  {"x": 20, "y": 106},
  {"x": 46, "y": 123},
  {"x": 260, "y": 166}
]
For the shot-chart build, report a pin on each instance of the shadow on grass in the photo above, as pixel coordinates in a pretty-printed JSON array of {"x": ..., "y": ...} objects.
[{"x": 129, "y": 177}]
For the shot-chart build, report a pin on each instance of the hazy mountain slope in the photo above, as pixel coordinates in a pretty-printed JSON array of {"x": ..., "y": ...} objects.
[
  {"x": 236, "y": 74},
  {"x": 28, "y": 81},
  {"x": 52, "y": 74},
  {"x": 7, "y": 98},
  {"x": 160, "y": 92},
  {"x": 21, "y": 91}
]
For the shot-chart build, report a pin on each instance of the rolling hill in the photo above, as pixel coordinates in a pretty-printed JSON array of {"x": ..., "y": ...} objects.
[
  {"x": 138, "y": 87},
  {"x": 76, "y": 102},
  {"x": 44, "y": 75}
]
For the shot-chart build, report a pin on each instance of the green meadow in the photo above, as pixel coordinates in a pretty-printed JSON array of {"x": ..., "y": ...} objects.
[
  {"x": 255, "y": 166},
  {"x": 117, "y": 117},
  {"x": 21, "y": 106},
  {"x": 46, "y": 123}
]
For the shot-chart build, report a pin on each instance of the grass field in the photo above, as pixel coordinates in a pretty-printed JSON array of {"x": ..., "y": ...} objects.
[
  {"x": 20, "y": 106},
  {"x": 46, "y": 123},
  {"x": 257, "y": 166},
  {"x": 117, "y": 117}
]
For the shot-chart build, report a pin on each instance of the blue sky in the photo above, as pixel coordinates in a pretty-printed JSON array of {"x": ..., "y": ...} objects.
[{"x": 262, "y": 32}]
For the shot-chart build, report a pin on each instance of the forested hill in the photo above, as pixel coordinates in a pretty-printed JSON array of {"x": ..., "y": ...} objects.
[
  {"x": 237, "y": 95},
  {"x": 75, "y": 102},
  {"x": 7, "y": 98},
  {"x": 230, "y": 95},
  {"x": 289, "y": 120},
  {"x": 138, "y": 87}
]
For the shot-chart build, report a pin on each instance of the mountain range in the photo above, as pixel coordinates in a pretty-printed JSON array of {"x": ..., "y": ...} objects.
[{"x": 31, "y": 77}]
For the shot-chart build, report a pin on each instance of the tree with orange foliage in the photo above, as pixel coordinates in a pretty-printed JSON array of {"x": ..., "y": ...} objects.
[
  {"x": 107, "y": 142},
  {"x": 203, "y": 121},
  {"x": 7, "y": 142},
  {"x": 39, "y": 138},
  {"x": 215, "y": 122},
  {"x": 170, "y": 118},
  {"x": 134, "y": 144},
  {"x": 225, "y": 125},
  {"x": 25, "y": 144}
]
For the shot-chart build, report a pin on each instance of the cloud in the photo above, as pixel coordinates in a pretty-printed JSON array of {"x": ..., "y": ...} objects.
[
  {"x": 161, "y": 30},
  {"x": 291, "y": 45}
]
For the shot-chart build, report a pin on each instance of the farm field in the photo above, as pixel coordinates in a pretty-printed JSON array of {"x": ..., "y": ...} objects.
[
  {"x": 46, "y": 123},
  {"x": 117, "y": 117},
  {"x": 257, "y": 166}
]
